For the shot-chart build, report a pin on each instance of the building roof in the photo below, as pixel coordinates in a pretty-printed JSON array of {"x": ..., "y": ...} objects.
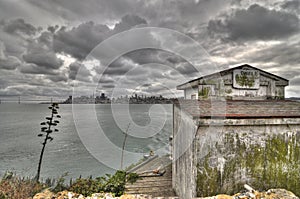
[
  {"x": 240, "y": 108},
  {"x": 224, "y": 72}
]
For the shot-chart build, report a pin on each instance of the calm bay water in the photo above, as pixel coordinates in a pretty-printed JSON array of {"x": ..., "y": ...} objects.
[{"x": 20, "y": 147}]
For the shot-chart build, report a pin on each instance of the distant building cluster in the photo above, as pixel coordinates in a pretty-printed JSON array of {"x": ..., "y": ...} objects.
[{"x": 134, "y": 99}]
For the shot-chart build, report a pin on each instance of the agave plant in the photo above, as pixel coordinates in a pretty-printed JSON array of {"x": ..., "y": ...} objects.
[{"x": 47, "y": 128}]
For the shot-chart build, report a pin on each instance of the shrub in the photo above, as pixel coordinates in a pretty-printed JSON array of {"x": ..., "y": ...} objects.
[
  {"x": 19, "y": 188},
  {"x": 110, "y": 183},
  {"x": 87, "y": 187}
]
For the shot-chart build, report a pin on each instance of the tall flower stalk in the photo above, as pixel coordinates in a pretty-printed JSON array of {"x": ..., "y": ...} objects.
[
  {"x": 123, "y": 147},
  {"x": 46, "y": 130}
]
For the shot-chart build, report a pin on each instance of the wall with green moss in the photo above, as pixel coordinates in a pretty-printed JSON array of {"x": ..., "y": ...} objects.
[{"x": 263, "y": 157}]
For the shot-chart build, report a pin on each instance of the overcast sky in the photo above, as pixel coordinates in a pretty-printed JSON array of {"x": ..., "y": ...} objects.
[{"x": 48, "y": 47}]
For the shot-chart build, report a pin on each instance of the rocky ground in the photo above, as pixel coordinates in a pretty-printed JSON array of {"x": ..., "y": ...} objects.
[{"x": 249, "y": 194}]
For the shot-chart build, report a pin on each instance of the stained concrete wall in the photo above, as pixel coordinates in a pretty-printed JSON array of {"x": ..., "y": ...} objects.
[
  {"x": 264, "y": 153},
  {"x": 183, "y": 167},
  {"x": 190, "y": 93},
  {"x": 220, "y": 158}
]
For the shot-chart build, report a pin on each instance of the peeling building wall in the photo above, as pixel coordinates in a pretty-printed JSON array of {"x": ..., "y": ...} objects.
[
  {"x": 268, "y": 88},
  {"x": 191, "y": 93},
  {"x": 239, "y": 83}
]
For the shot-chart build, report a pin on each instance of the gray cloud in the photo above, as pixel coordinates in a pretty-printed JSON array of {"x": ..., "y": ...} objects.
[
  {"x": 256, "y": 22},
  {"x": 295, "y": 81},
  {"x": 29, "y": 55},
  {"x": 127, "y": 22},
  {"x": 292, "y": 5},
  {"x": 18, "y": 26},
  {"x": 108, "y": 86},
  {"x": 43, "y": 59},
  {"x": 105, "y": 80},
  {"x": 31, "y": 68},
  {"x": 146, "y": 56},
  {"x": 58, "y": 78},
  {"x": 80, "y": 40},
  {"x": 9, "y": 63},
  {"x": 282, "y": 54},
  {"x": 77, "y": 71},
  {"x": 90, "y": 10},
  {"x": 46, "y": 38}
]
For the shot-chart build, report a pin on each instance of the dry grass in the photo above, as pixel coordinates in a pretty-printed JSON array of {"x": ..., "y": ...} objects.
[{"x": 19, "y": 188}]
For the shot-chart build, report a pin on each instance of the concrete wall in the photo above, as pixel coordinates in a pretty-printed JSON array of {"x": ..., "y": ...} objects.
[
  {"x": 189, "y": 92},
  {"x": 183, "y": 167},
  {"x": 264, "y": 153},
  {"x": 221, "y": 158}
]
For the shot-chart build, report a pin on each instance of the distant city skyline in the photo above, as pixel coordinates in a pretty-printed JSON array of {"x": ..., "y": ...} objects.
[{"x": 43, "y": 44}]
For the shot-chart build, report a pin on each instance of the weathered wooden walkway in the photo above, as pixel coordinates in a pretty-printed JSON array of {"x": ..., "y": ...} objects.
[{"x": 153, "y": 184}]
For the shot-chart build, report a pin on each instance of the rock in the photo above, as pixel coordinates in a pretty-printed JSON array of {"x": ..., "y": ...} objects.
[
  {"x": 249, "y": 194},
  {"x": 96, "y": 196},
  {"x": 127, "y": 196},
  {"x": 108, "y": 196},
  {"x": 68, "y": 195},
  {"x": 282, "y": 193},
  {"x": 46, "y": 194},
  {"x": 135, "y": 196},
  {"x": 223, "y": 196}
]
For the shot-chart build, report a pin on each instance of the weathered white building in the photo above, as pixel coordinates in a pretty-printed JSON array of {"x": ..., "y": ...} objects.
[
  {"x": 242, "y": 82},
  {"x": 235, "y": 132}
]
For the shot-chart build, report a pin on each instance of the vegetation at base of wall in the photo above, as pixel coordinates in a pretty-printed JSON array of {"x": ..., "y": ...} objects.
[
  {"x": 16, "y": 187},
  {"x": 109, "y": 183},
  {"x": 276, "y": 163}
]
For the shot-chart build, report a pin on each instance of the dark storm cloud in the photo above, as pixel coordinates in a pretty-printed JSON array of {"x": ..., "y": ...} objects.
[
  {"x": 281, "y": 54},
  {"x": 32, "y": 58},
  {"x": 147, "y": 56},
  {"x": 116, "y": 71},
  {"x": 105, "y": 80},
  {"x": 293, "y": 5},
  {"x": 89, "y": 10},
  {"x": 80, "y": 40},
  {"x": 152, "y": 64},
  {"x": 186, "y": 69},
  {"x": 127, "y": 22},
  {"x": 10, "y": 63},
  {"x": 40, "y": 55},
  {"x": 256, "y": 22},
  {"x": 43, "y": 59},
  {"x": 31, "y": 68},
  {"x": 77, "y": 71},
  {"x": 58, "y": 78},
  {"x": 18, "y": 26},
  {"x": 108, "y": 86},
  {"x": 46, "y": 38}
]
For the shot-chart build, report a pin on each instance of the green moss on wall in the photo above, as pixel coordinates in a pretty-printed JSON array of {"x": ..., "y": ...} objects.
[
  {"x": 244, "y": 80},
  {"x": 274, "y": 163},
  {"x": 204, "y": 92},
  {"x": 228, "y": 91}
]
